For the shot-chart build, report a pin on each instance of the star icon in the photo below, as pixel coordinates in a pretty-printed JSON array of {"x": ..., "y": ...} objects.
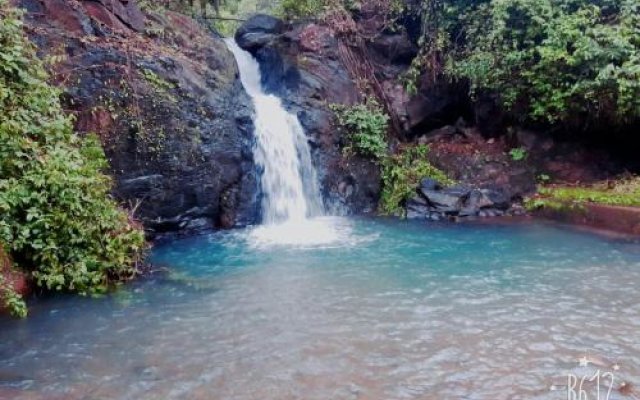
[{"x": 583, "y": 362}]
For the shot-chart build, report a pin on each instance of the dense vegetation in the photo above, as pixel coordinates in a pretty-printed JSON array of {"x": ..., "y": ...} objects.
[
  {"x": 365, "y": 126},
  {"x": 574, "y": 62},
  {"x": 569, "y": 62},
  {"x": 57, "y": 219}
]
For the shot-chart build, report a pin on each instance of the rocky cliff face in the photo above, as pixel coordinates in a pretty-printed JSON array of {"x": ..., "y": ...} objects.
[
  {"x": 164, "y": 96},
  {"x": 301, "y": 64},
  {"x": 310, "y": 67}
]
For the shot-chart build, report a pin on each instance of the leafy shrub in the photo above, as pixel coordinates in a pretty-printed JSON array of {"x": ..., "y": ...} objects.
[
  {"x": 366, "y": 127},
  {"x": 56, "y": 214},
  {"x": 401, "y": 175},
  {"x": 292, "y": 9},
  {"x": 557, "y": 61}
]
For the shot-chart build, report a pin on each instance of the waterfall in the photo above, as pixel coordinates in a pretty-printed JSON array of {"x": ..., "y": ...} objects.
[{"x": 289, "y": 180}]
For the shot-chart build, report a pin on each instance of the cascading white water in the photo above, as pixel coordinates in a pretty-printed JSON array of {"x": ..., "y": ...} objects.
[{"x": 289, "y": 181}]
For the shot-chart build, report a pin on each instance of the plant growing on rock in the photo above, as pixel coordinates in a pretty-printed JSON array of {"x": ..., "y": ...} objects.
[
  {"x": 57, "y": 218},
  {"x": 366, "y": 128},
  {"x": 401, "y": 174},
  {"x": 518, "y": 154}
]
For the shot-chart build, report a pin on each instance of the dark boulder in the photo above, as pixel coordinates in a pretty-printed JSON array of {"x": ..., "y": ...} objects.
[
  {"x": 394, "y": 48},
  {"x": 460, "y": 190},
  {"x": 429, "y": 184},
  {"x": 458, "y": 201},
  {"x": 442, "y": 202},
  {"x": 258, "y": 32},
  {"x": 417, "y": 208},
  {"x": 476, "y": 201},
  {"x": 499, "y": 198}
]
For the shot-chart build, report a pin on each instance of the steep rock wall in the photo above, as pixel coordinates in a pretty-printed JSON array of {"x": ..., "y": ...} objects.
[{"x": 164, "y": 96}]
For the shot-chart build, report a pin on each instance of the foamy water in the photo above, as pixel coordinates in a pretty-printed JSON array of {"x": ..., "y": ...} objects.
[{"x": 315, "y": 233}]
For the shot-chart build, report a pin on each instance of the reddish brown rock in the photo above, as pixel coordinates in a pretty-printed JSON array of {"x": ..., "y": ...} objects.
[
  {"x": 67, "y": 15},
  {"x": 624, "y": 220},
  {"x": 98, "y": 120},
  {"x": 101, "y": 14},
  {"x": 129, "y": 13},
  {"x": 15, "y": 279}
]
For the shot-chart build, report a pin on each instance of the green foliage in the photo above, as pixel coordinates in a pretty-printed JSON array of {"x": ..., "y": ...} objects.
[
  {"x": 620, "y": 193},
  {"x": 558, "y": 61},
  {"x": 543, "y": 178},
  {"x": 56, "y": 214},
  {"x": 156, "y": 81},
  {"x": 518, "y": 154},
  {"x": 401, "y": 175},
  {"x": 11, "y": 300},
  {"x": 292, "y": 9},
  {"x": 366, "y": 127}
]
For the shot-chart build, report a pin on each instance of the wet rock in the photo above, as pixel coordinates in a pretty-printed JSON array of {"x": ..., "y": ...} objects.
[
  {"x": 442, "y": 202},
  {"x": 429, "y": 184},
  {"x": 258, "y": 32},
  {"x": 173, "y": 117},
  {"x": 478, "y": 199},
  {"x": 302, "y": 65},
  {"x": 454, "y": 202},
  {"x": 395, "y": 48},
  {"x": 126, "y": 12},
  {"x": 63, "y": 14},
  {"x": 461, "y": 191},
  {"x": 498, "y": 198},
  {"x": 417, "y": 208}
]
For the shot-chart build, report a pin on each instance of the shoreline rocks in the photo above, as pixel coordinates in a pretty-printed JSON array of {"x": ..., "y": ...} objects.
[{"x": 436, "y": 203}]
